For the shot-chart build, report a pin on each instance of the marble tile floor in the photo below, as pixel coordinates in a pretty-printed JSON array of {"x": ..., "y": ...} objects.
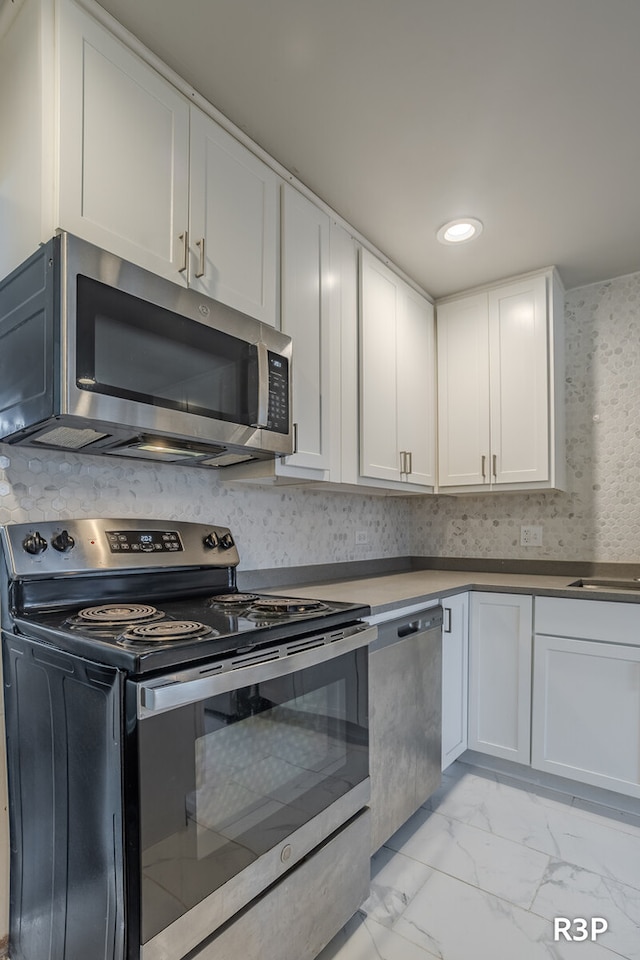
[{"x": 481, "y": 871}]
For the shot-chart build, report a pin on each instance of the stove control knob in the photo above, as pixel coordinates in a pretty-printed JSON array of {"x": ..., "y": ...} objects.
[
  {"x": 226, "y": 541},
  {"x": 34, "y": 543},
  {"x": 63, "y": 542},
  {"x": 211, "y": 541}
]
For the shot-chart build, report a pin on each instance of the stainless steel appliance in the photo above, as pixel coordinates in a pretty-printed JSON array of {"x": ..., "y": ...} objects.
[
  {"x": 184, "y": 760},
  {"x": 100, "y": 356},
  {"x": 405, "y": 719}
]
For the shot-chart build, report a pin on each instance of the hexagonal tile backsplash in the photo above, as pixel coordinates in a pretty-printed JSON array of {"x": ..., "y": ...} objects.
[
  {"x": 598, "y": 518},
  {"x": 273, "y": 527}
]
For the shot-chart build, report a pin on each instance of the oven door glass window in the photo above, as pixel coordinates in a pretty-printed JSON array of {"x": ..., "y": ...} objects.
[
  {"x": 224, "y": 780},
  {"x": 135, "y": 350}
]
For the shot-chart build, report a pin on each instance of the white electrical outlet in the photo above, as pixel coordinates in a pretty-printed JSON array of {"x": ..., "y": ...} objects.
[
  {"x": 530, "y": 536},
  {"x": 361, "y": 537}
]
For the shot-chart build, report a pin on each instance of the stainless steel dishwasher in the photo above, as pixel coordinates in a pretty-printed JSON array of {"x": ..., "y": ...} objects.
[{"x": 405, "y": 718}]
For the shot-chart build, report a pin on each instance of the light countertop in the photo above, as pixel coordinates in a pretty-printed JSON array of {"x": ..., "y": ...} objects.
[{"x": 398, "y": 590}]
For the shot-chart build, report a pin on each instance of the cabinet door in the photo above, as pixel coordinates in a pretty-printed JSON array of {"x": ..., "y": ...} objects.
[
  {"x": 586, "y": 712},
  {"x": 455, "y": 677},
  {"x": 124, "y": 149},
  {"x": 463, "y": 392},
  {"x": 305, "y": 317},
  {"x": 344, "y": 355},
  {"x": 379, "y": 308},
  {"x": 416, "y": 385},
  {"x": 519, "y": 382},
  {"x": 500, "y": 627},
  {"x": 233, "y": 221}
]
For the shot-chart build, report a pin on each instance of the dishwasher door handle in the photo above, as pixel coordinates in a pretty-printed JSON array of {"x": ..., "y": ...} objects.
[{"x": 395, "y": 631}]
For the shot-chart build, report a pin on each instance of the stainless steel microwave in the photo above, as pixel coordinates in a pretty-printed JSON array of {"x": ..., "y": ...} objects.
[{"x": 100, "y": 356}]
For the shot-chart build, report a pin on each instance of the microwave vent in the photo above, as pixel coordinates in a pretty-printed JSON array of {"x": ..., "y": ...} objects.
[
  {"x": 69, "y": 438},
  {"x": 170, "y": 450},
  {"x": 140, "y": 451},
  {"x": 225, "y": 460}
]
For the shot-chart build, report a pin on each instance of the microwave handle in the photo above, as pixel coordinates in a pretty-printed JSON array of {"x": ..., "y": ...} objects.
[{"x": 263, "y": 386}]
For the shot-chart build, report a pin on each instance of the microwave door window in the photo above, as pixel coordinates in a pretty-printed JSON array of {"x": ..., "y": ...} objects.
[{"x": 135, "y": 350}]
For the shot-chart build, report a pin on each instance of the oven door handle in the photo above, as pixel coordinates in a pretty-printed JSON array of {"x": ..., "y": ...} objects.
[{"x": 189, "y": 686}]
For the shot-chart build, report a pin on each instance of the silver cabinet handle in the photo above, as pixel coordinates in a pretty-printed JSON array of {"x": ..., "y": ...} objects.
[
  {"x": 409, "y": 462},
  {"x": 495, "y": 466},
  {"x": 201, "y": 266},
  {"x": 184, "y": 237},
  {"x": 447, "y": 619},
  {"x": 403, "y": 461},
  {"x": 484, "y": 467}
]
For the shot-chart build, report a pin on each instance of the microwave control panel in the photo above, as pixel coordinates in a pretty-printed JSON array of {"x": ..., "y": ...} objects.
[{"x": 278, "y": 417}]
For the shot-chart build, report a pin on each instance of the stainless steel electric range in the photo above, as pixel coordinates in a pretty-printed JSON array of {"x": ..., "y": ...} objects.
[{"x": 186, "y": 762}]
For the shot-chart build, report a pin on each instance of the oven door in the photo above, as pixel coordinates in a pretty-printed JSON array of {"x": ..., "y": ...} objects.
[{"x": 241, "y": 774}]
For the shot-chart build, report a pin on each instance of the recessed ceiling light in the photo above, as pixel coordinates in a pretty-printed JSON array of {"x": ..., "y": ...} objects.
[{"x": 459, "y": 231}]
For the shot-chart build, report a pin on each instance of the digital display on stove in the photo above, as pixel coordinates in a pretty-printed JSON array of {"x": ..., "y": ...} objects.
[{"x": 144, "y": 541}]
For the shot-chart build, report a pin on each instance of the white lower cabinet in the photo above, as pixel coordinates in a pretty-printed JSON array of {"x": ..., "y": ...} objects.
[
  {"x": 455, "y": 677},
  {"x": 500, "y": 637},
  {"x": 586, "y": 694}
]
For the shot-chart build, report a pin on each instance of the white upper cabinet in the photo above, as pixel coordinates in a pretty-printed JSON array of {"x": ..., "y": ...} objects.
[
  {"x": 233, "y": 222},
  {"x": 379, "y": 295},
  {"x": 127, "y": 162},
  {"x": 153, "y": 179},
  {"x": 416, "y": 386},
  {"x": 501, "y": 387},
  {"x": 397, "y": 380},
  {"x": 123, "y": 149},
  {"x": 318, "y": 283},
  {"x": 305, "y": 317},
  {"x": 463, "y": 391},
  {"x": 519, "y": 385},
  {"x": 344, "y": 256}
]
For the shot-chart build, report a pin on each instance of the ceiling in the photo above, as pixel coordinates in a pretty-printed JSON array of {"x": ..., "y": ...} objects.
[{"x": 402, "y": 115}]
